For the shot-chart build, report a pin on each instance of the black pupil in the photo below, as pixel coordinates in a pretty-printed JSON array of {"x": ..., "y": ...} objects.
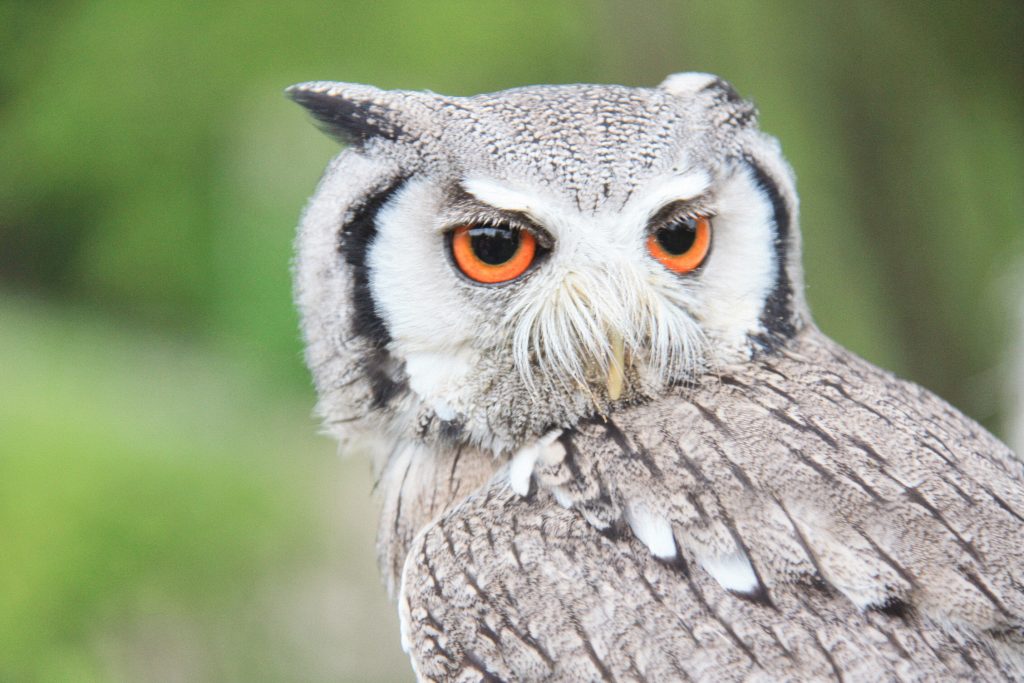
[
  {"x": 494, "y": 246},
  {"x": 677, "y": 238}
]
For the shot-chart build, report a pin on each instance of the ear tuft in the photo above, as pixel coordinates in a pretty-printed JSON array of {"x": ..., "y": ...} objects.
[
  {"x": 688, "y": 82},
  {"x": 351, "y": 113},
  {"x": 739, "y": 112}
]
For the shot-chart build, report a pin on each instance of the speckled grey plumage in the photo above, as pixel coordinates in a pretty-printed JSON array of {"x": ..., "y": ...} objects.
[
  {"x": 758, "y": 504},
  {"x": 839, "y": 481}
]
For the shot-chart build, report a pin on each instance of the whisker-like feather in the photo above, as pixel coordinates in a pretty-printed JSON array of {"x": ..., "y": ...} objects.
[{"x": 563, "y": 338}]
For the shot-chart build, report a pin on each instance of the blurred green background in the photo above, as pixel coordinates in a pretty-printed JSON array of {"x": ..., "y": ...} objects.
[{"x": 167, "y": 510}]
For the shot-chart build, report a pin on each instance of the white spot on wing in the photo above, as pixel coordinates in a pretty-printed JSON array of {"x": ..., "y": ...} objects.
[
  {"x": 562, "y": 496},
  {"x": 654, "y": 531},
  {"x": 554, "y": 452},
  {"x": 734, "y": 572},
  {"x": 521, "y": 468}
]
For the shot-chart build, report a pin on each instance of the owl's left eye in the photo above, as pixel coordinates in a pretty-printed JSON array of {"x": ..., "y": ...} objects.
[
  {"x": 682, "y": 245},
  {"x": 491, "y": 254}
]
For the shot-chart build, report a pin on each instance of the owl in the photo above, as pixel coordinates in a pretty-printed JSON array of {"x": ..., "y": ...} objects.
[{"x": 568, "y": 324}]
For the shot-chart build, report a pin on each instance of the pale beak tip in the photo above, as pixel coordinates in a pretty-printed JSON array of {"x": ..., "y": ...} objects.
[
  {"x": 614, "y": 389},
  {"x": 616, "y": 368}
]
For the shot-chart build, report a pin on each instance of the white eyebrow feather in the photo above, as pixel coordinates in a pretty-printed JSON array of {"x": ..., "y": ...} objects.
[
  {"x": 500, "y": 196},
  {"x": 674, "y": 189}
]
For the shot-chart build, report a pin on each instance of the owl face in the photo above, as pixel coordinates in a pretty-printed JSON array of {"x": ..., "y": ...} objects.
[{"x": 482, "y": 270}]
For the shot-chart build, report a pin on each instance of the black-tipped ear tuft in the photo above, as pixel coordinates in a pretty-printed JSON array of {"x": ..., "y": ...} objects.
[{"x": 352, "y": 114}]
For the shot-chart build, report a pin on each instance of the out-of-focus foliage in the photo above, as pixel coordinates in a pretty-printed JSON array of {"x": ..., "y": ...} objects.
[
  {"x": 163, "y": 520},
  {"x": 166, "y": 512}
]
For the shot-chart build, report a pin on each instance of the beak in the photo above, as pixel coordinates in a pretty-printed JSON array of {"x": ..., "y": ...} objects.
[{"x": 616, "y": 369}]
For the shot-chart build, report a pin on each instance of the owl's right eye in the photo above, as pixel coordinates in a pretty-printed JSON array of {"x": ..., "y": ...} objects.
[{"x": 491, "y": 254}]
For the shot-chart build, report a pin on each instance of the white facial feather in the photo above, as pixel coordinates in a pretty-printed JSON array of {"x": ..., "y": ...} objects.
[
  {"x": 414, "y": 288},
  {"x": 741, "y": 269},
  {"x": 562, "y": 336},
  {"x": 600, "y": 285},
  {"x": 411, "y": 280}
]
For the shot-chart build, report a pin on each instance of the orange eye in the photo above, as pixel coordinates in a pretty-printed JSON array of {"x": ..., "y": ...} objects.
[
  {"x": 492, "y": 254},
  {"x": 682, "y": 245}
]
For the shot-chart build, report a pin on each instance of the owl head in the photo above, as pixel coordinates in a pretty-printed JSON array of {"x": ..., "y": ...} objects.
[{"x": 481, "y": 270}]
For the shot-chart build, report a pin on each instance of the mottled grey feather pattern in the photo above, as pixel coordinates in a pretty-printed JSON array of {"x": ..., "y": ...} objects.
[
  {"x": 887, "y": 551},
  {"x": 607, "y": 468},
  {"x": 418, "y": 487}
]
